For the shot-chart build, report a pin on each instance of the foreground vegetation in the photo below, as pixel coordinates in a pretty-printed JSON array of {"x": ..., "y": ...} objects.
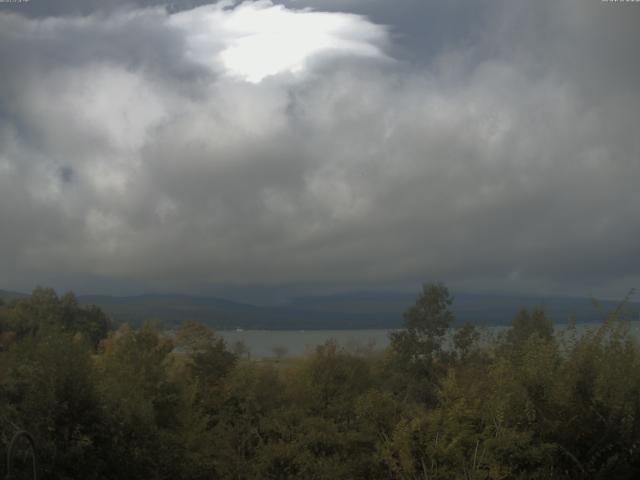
[{"x": 141, "y": 404}]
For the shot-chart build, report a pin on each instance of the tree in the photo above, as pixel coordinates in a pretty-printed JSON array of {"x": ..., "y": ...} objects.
[
  {"x": 41, "y": 309},
  {"x": 279, "y": 352},
  {"x": 47, "y": 389},
  {"x": 464, "y": 340},
  {"x": 45, "y": 310},
  {"x": 208, "y": 359},
  {"x": 526, "y": 324},
  {"x": 418, "y": 348},
  {"x": 426, "y": 323},
  {"x": 240, "y": 349},
  {"x": 140, "y": 404}
]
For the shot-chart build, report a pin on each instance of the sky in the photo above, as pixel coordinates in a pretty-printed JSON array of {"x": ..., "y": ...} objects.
[{"x": 320, "y": 145}]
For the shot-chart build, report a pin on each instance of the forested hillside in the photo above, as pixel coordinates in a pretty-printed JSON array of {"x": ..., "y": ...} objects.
[{"x": 136, "y": 403}]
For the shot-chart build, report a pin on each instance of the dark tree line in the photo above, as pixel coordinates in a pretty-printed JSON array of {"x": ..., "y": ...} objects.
[{"x": 532, "y": 403}]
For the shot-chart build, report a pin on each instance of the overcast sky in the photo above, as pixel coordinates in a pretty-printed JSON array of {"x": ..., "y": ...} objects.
[{"x": 320, "y": 144}]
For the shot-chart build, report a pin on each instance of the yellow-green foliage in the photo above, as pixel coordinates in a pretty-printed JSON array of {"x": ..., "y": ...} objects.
[{"x": 138, "y": 403}]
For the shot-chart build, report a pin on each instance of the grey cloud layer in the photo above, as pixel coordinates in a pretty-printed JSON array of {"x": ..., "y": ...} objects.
[{"x": 510, "y": 158}]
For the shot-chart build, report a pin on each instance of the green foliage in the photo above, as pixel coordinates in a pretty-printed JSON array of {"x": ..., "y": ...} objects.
[
  {"x": 465, "y": 340},
  {"x": 426, "y": 323},
  {"x": 47, "y": 389},
  {"x": 533, "y": 404},
  {"x": 526, "y": 324},
  {"x": 139, "y": 404},
  {"x": 44, "y": 309},
  {"x": 416, "y": 363}
]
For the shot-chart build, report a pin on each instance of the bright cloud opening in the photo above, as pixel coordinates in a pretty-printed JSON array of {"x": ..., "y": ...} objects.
[{"x": 254, "y": 40}]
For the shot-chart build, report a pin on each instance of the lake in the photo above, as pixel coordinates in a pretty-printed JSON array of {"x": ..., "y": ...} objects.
[{"x": 262, "y": 343}]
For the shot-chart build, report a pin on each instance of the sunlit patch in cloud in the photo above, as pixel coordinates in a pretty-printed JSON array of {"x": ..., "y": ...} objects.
[
  {"x": 254, "y": 40},
  {"x": 252, "y": 142}
]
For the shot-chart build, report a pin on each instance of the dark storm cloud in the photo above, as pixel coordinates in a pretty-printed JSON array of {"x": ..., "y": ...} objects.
[
  {"x": 499, "y": 148},
  {"x": 66, "y": 174}
]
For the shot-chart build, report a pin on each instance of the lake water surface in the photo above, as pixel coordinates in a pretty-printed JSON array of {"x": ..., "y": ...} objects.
[
  {"x": 262, "y": 343},
  {"x": 265, "y": 343}
]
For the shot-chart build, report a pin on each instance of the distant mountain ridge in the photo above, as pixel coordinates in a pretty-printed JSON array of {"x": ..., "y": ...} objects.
[
  {"x": 219, "y": 313},
  {"x": 480, "y": 309},
  {"x": 8, "y": 295},
  {"x": 362, "y": 310}
]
